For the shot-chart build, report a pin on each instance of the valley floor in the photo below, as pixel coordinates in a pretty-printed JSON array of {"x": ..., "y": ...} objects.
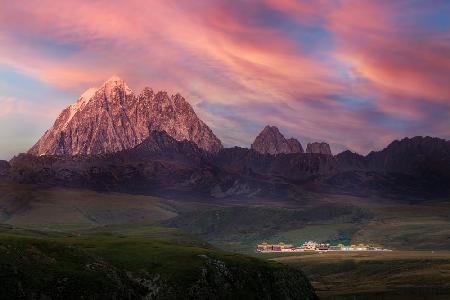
[
  {"x": 397, "y": 275},
  {"x": 418, "y": 230}
]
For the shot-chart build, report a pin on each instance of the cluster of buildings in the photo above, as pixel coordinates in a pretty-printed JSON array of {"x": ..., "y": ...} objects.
[{"x": 313, "y": 246}]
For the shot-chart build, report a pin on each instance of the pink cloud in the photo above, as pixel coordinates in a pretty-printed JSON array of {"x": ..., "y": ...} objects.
[
  {"x": 399, "y": 58},
  {"x": 116, "y": 32},
  {"x": 211, "y": 51}
]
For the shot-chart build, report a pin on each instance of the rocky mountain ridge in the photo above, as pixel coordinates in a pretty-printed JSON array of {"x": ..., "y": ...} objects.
[
  {"x": 164, "y": 166},
  {"x": 411, "y": 155},
  {"x": 319, "y": 148},
  {"x": 112, "y": 118},
  {"x": 159, "y": 165},
  {"x": 271, "y": 141},
  {"x": 112, "y": 139}
]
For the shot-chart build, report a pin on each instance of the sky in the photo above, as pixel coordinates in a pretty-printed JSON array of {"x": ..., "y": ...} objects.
[{"x": 356, "y": 74}]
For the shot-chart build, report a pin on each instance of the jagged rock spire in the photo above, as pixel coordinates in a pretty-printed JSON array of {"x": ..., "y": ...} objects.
[
  {"x": 111, "y": 118},
  {"x": 271, "y": 141}
]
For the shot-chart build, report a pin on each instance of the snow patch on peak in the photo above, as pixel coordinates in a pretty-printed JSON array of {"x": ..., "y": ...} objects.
[
  {"x": 87, "y": 95},
  {"x": 116, "y": 81},
  {"x": 80, "y": 104}
]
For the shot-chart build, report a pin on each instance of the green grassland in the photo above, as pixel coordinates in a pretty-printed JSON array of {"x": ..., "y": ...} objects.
[
  {"x": 240, "y": 227},
  {"x": 29, "y": 205},
  {"x": 147, "y": 263},
  {"x": 92, "y": 228},
  {"x": 325, "y": 218},
  {"x": 377, "y": 275},
  {"x": 237, "y": 225}
]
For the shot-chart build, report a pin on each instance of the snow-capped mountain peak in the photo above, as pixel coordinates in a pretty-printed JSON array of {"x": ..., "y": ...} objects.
[{"x": 112, "y": 118}]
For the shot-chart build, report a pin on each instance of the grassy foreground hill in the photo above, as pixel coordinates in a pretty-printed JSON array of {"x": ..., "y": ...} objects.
[{"x": 146, "y": 263}]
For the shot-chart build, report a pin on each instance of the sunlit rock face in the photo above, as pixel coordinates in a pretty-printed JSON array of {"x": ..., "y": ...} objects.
[
  {"x": 271, "y": 141},
  {"x": 112, "y": 118},
  {"x": 318, "y": 148}
]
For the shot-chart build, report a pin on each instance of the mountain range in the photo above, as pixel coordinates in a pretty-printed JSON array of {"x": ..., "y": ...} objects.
[
  {"x": 112, "y": 139},
  {"x": 112, "y": 118}
]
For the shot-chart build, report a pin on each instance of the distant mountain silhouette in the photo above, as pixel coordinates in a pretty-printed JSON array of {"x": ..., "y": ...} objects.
[{"x": 163, "y": 165}]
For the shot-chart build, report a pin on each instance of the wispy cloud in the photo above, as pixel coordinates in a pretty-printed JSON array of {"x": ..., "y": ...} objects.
[{"x": 357, "y": 73}]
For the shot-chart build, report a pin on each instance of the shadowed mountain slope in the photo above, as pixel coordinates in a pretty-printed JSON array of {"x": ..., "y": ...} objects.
[{"x": 164, "y": 166}]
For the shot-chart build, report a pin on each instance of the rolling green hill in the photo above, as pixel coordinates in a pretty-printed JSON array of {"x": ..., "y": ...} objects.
[
  {"x": 235, "y": 225},
  {"x": 27, "y": 205},
  {"x": 422, "y": 225},
  {"x": 150, "y": 263}
]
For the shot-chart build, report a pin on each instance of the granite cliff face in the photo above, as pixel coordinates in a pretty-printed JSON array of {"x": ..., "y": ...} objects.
[
  {"x": 318, "y": 148},
  {"x": 271, "y": 141},
  {"x": 112, "y": 118}
]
